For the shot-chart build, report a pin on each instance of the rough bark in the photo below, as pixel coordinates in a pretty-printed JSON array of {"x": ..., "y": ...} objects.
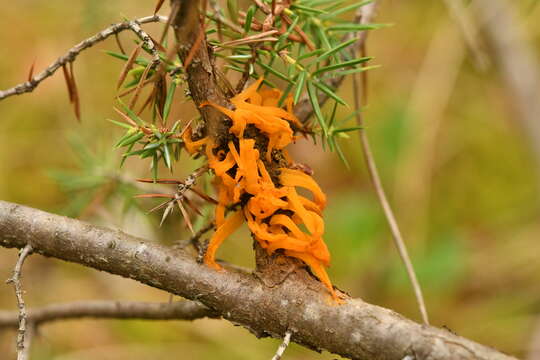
[
  {"x": 356, "y": 329},
  {"x": 201, "y": 74}
]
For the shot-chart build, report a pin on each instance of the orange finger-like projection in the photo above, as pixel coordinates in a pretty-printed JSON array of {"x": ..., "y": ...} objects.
[{"x": 277, "y": 216}]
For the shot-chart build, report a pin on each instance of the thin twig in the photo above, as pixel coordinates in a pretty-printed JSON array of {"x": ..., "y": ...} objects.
[
  {"x": 389, "y": 214},
  {"x": 220, "y": 19},
  {"x": 15, "y": 279},
  {"x": 281, "y": 349},
  {"x": 119, "y": 44},
  {"x": 28, "y": 339},
  {"x": 72, "y": 54},
  {"x": 179, "y": 196},
  {"x": 252, "y": 39},
  {"x": 364, "y": 16},
  {"x": 206, "y": 228},
  {"x": 180, "y": 310},
  {"x": 147, "y": 39},
  {"x": 194, "y": 240},
  {"x": 246, "y": 74}
]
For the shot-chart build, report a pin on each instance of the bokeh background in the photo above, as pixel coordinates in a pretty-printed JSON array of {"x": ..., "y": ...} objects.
[{"x": 458, "y": 168}]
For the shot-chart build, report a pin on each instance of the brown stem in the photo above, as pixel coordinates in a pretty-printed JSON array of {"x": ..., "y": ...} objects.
[
  {"x": 387, "y": 209},
  {"x": 203, "y": 84}
]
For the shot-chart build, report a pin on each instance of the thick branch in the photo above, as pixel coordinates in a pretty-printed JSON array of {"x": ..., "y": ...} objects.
[
  {"x": 181, "y": 310},
  {"x": 72, "y": 54},
  {"x": 355, "y": 329}
]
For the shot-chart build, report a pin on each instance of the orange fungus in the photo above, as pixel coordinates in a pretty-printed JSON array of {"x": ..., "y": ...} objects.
[{"x": 276, "y": 214}]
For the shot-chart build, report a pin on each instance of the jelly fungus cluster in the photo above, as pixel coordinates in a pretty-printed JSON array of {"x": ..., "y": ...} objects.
[{"x": 278, "y": 217}]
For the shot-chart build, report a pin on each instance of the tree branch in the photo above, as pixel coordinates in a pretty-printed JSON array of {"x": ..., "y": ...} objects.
[
  {"x": 181, "y": 310},
  {"x": 72, "y": 54},
  {"x": 355, "y": 329}
]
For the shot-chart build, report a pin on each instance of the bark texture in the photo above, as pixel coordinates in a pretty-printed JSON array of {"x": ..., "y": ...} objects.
[
  {"x": 356, "y": 329},
  {"x": 201, "y": 74}
]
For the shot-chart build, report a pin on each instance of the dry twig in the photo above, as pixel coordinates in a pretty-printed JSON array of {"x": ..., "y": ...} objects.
[
  {"x": 388, "y": 213},
  {"x": 376, "y": 181},
  {"x": 281, "y": 349},
  {"x": 72, "y": 54},
  {"x": 22, "y": 350}
]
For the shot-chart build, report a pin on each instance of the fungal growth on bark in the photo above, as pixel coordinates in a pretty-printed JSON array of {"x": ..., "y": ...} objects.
[{"x": 269, "y": 203}]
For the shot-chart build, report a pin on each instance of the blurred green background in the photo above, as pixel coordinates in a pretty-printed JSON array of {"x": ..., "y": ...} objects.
[{"x": 455, "y": 163}]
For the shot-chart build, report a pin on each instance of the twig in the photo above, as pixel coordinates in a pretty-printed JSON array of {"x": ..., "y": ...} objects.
[
  {"x": 147, "y": 40},
  {"x": 366, "y": 14},
  {"x": 194, "y": 239},
  {"x": 119, "y": 44},
  {"x": 28, "y": 339},
  {"x": 180, "y": 310},
  {"x": 206, "y": 228},
  {"x": 22, "y": 353},
  {"x": 281, "y": 349},
  {"x": 257, "y": 38},
  {"x": 218, "y": 17},
  {"x": 179, "y": 196},
  {"x": 72, "y": 54},
  {"x": 246, "y": 74},
  {"x": 376, "y": 181}
]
